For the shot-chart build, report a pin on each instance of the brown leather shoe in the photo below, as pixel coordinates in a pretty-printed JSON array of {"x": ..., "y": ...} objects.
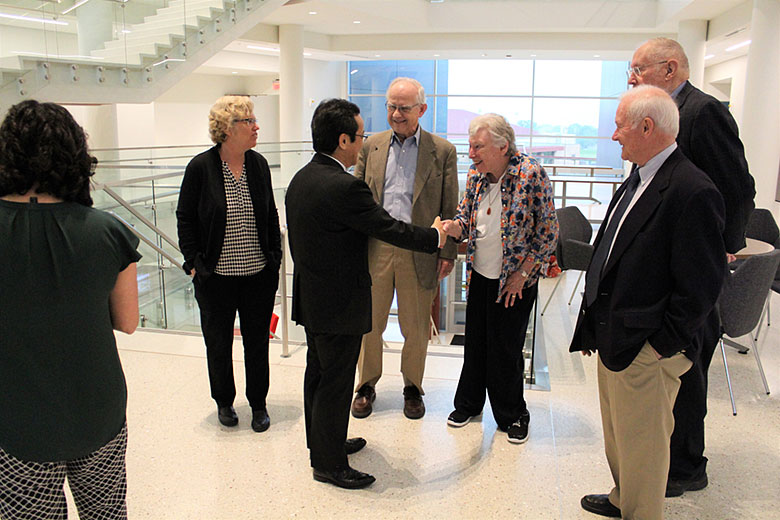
[
  {"x": 361, "y": 406},
  {"x": 414, "y": 408}
]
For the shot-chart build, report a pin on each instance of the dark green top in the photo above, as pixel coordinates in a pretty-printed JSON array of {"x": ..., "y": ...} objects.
[{"x": 62, "y": 389}]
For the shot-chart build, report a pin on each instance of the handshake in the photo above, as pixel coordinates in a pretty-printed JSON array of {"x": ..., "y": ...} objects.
[{"x": 447, "y": 228}]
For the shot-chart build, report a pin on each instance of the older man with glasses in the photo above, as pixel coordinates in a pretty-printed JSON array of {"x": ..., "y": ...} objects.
[
  {"x": 710, "y": 139},
  {"x": 413, "y": 175}
]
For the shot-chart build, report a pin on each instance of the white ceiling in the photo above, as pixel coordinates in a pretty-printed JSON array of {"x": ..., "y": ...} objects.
[{"x": 466, "y": 29}]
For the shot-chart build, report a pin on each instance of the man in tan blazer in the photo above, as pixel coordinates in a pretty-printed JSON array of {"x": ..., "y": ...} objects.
[{"x": 413, "y": 175}]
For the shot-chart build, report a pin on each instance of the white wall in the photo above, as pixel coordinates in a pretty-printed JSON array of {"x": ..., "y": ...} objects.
[
  {"x": 20, "y": 39},
  {"x": 733, "y": 71},
  {"x": 322, "y": 80}
]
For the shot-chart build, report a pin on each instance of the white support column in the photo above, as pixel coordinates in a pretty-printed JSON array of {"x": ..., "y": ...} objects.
[
  {"x": 291, "y": 102},
  {"x": 692, "y": 35},
  {"x": 761, "y": 115},
  {"x": 94, "y": 21}
]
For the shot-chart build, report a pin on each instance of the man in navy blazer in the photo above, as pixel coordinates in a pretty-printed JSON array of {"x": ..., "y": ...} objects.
[
  {"x": 330, "y": 216},
  {"x": 657, "y": 269},
  {"x": 710, "y": 139}
]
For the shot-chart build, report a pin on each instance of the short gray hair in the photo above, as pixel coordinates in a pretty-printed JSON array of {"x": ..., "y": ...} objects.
[
  {"x": 667, "y": 49},
  {"x": 415, "y": 83},
  {"x": 499, "y": 129},
  {"x": 648, "y": 101}
]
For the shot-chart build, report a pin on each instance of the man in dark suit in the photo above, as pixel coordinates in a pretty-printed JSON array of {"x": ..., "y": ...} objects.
[
  {"x": 330, "y": 215},
  {"x": 710, "y": 139},
  {"x": 657, "y": 269}
]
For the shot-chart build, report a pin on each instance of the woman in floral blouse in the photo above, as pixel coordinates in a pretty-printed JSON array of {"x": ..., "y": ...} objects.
[{"x": 508, "y": 216}]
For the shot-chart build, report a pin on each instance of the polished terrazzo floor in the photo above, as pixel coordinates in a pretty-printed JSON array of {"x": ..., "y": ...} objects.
[{"x": 183, "y": 465}]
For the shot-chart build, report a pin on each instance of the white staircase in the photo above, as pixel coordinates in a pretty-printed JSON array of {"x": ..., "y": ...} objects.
[
  {"x": 143, "y": 63},
  {"x": 161, "y": 32}
]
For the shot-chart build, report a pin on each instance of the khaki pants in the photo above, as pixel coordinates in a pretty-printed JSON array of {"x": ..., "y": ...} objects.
[
  {"x": 392, "y": 270},
  {"x": 636, "y": 414}
]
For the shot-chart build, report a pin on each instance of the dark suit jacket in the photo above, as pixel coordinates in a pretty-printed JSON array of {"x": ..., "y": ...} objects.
[
  {"x": 330, "y": 215},
  {"x": 709, "y": 137},
  {"x": 435, "y": 189},
  {"x": 665, "y": 270},
  {"x": 202, "y": 211}
]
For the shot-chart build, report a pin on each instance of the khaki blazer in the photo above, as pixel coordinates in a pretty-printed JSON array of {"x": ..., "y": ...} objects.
[{"x": 435, "y": 189}]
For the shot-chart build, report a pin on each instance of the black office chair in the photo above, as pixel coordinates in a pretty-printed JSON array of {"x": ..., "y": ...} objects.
[
  {"x": 574, "y": 249},
  {"x": 741, "y": 305}
]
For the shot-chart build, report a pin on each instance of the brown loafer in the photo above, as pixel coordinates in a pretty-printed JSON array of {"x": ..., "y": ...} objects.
[
  {"x": 414, "y": 408},
  {"x": 362, "y": 405}
]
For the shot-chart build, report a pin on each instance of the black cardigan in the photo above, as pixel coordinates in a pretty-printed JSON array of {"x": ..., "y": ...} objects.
[{"x": 202, "y": 211}]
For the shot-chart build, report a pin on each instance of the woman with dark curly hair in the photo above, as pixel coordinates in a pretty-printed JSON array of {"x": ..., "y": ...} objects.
[
  {"x": 67, "y": 278},
  {"x": 229, "y": 235}
]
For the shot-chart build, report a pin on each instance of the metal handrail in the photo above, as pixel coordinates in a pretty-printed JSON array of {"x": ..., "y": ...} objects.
[
  {"x": 137, "y": 214},
  {"x": 147, "y": 241}
]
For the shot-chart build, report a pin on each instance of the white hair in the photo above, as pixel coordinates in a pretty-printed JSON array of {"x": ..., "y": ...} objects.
[
  {"x": 498, "y": 128},
  {"x": 415, "y": 83},
  {"x": 648, "y": 101}
]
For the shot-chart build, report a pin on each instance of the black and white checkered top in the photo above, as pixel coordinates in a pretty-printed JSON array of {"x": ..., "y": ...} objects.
[{"x": 241, "y": 253}]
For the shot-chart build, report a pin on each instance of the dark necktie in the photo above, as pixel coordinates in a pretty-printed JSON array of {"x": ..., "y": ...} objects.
[{"x": 599, "y": 260}]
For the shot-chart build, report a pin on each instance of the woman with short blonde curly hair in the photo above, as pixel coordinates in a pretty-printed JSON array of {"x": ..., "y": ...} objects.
[
  {"x": 229, "y": 236},
  {"x": 224, "y": 112}
]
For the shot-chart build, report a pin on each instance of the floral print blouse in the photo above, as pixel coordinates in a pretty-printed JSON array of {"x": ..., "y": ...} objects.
[{"x": 529, "y": 227}]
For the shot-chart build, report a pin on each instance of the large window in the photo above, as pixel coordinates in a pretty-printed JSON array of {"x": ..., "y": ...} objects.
[{"x": 562, "y": 111}]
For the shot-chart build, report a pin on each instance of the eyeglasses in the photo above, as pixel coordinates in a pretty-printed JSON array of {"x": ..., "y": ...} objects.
[
  {"x": 251, "y": 121},
  {"x": 637, "y": 71},
  {"x": 362, "y": 136},
  {"x": 403, "y": 109}
]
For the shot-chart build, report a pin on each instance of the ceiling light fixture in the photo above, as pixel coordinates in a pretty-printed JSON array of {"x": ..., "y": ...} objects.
[
  {"x": 31, "y": 19},
  {"x": 312, "y": 12},
  {"x": 738, "y": 45},
  {"x": 533, "y": 55},
  {"x": 355, "y": 21},
  {"x": 234, "y": 72},
  {"x": 74, "y": 6},
  {"x": 597, "y": 55},
  {"x": 259, "y": 48}
]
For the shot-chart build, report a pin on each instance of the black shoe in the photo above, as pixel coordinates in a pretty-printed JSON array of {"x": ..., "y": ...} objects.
[
  {"x": 600, "y": 505},
  {"x": 362, "y": 405},
  {"x": 354, "y": 445},
  {"x": 227, "y": 415},
  {"x": 517, "y": 433},
  {"x": 414, "y": 408},
  {"x": 458, "y": 419},
  {"x": 675, "y": 488},
  {"x": 260, "y": 420},
  {"x": 347, "y": 478}
]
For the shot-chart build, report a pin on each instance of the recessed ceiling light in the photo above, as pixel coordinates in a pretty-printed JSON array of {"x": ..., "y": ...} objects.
[
  {"x": 312, "y": 12},
  {"x": 259, "y": 48},
  {"x": 483, "y": 54},
  {"x": 709, "y": 56},
  {"x": 32, "y": 19},
  {"x": 737, "y": 46},
  {"x": 533, "y": 55},
  {"x": 234, "y": 72},
  {"x": 436, "y": 55},
  {"x": 356, "y": 21},
  {"x": 597, "y": 55},
  {"x": 377, "y": 55}
]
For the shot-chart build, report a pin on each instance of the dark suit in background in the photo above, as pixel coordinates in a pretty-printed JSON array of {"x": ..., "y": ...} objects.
[
  {"x": 330, "y": 215},
  {"x": 709, "y": 137},
  {"x": 660, "y": 283}
]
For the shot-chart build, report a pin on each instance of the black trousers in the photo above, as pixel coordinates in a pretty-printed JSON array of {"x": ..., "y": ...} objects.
[
  {"x": 219, "y": 297},
  {"x": 687, "y": 461},
  {"x": 331, "y": 360},
  {"x": 493, "y": 353}
]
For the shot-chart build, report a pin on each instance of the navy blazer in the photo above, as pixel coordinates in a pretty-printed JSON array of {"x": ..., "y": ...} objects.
[
  {"x": 330, "y": 215},
  {"x": 664, "y": 273},
  {"x": 202, "y": 211},
  {"x": 709, "y": 137}
]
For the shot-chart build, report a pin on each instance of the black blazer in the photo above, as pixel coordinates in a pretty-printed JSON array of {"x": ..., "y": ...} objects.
[
  {"x": 330, "y": 215},
  {"x": 665, "y": 270},
  {"x": 709, "y": 137},
  {"x": 202, "y": 211}
]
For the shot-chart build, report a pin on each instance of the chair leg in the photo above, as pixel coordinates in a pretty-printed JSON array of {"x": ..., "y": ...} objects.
[
  {"x": 761, "y": 320},
  {"x": 760, "y": 368},
  {"x": 579, "y": 278},
  {"x": 728, "y": 377},
  {"x": 557, "y": 283}
]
